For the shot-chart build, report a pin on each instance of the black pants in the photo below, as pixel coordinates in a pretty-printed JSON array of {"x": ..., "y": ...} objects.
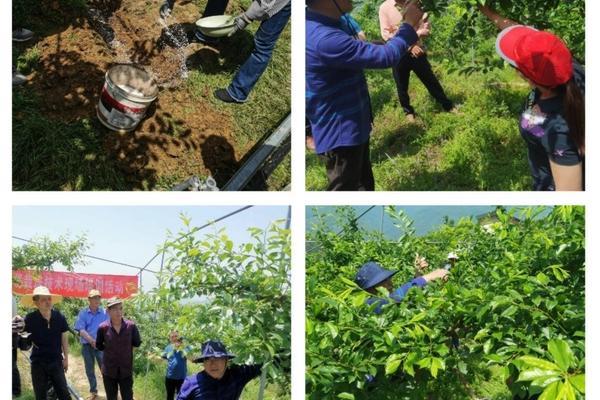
[
  {"x": 215, "y": 7},
  {"x": 173, "y": 386},
  {"x": 49, "y": 373},
  {"x": 422, "y": 69},
  {"x": 114, "y": 385},
  {"x": 16, "y": 377},
  {"x": 349, "y": 168}
]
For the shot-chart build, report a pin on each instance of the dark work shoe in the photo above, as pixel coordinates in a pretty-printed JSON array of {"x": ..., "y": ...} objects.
[
  {"x": 200, "y": 38},
  {"x": 21, "y": 35},
  {"x": 223, "y": 95}
]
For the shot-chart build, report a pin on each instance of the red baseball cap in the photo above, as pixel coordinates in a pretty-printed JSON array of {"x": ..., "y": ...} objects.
[{"x": 540, "y": 56}]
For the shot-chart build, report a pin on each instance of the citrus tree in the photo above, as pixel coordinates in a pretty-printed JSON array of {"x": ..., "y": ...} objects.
[{"x": 512, "y": 310}]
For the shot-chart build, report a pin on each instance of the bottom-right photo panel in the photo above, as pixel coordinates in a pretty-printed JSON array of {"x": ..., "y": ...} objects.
[{"x": 445, "y": 302}]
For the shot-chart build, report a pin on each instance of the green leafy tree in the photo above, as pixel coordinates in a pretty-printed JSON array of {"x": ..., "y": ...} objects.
[{"x": 516, "y": 287}]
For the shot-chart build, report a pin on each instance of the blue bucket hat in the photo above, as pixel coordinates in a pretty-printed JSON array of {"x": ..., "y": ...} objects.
[
  {"x": 371, "y": 274},
  {"x": 213, "y": 349}
]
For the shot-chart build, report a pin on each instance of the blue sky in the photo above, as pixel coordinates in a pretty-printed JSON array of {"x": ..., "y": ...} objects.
[{"x": 132, "y": 234}]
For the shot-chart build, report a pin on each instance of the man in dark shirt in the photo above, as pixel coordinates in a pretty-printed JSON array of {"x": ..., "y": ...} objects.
[
  {"x": 117, "y": 337},
  {"x": 217, "y": 381},
  {"x": 50, "y": 354}
]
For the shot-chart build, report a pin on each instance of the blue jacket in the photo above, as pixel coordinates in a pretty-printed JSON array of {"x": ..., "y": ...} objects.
[
  {"x": 337, "y": 98},
  {"x": 397, "y": 295},
  {"x": 176, "y": 361},
  {"x": 203, "y": 387}
]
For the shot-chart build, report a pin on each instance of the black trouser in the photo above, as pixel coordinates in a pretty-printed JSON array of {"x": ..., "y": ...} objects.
[
  {"x": 45, "y": 373},
  {"x": 173, "y": 386},
  {"x": 349, "y": 168},
  {"x": 422, "y": 69},
  {"x": 215, "y": 7},
  {"x": 113, "y": 385},
  {"x": 16, "y": 377}
]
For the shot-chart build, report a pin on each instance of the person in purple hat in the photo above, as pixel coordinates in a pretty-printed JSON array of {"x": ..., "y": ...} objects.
[
  {"x": 117, "y": 337},
  {"x": 372, "y": 275},
  {"x": 218, "y": 380},
  {"x": 553, "y": 120}
]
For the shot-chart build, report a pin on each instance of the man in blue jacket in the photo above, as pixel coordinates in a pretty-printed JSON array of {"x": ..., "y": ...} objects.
[{"x": 337, "y": 98}]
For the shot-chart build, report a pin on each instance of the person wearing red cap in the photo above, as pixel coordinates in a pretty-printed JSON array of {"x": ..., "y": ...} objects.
[{"x": 553, "y": 122}]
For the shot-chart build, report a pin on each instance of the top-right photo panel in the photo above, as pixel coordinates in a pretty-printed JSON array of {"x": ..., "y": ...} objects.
[{"x": 445, "y": 95}]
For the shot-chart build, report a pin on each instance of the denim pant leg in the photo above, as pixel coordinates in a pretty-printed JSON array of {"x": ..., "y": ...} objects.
[
  {"x": 87, "y": 352},
  {"x": 264, "y": 43}
]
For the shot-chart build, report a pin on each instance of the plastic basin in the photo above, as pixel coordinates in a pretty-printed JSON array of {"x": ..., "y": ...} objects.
[{"x": 216, "y": 26}]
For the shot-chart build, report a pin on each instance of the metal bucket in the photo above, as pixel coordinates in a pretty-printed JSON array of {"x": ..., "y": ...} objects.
[{"x": 127, "y": 93}]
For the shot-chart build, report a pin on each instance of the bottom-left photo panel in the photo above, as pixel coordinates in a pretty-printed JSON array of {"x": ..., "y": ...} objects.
[{"x": 151, "y": 302}]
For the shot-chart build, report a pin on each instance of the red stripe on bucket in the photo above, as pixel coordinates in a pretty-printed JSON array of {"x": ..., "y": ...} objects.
[{"x": 114, "y": 103}]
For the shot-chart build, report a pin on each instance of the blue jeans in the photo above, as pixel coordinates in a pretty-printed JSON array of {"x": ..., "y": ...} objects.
[
  {"x": 264, "y": 43},
  {"x": 89, "y": 354}
]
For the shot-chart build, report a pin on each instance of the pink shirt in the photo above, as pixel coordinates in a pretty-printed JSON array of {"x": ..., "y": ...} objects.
[{"x": 389, "y": 16}]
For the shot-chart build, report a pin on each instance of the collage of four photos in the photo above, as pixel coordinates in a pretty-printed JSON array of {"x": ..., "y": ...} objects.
[{"x": 290, "y": 290}]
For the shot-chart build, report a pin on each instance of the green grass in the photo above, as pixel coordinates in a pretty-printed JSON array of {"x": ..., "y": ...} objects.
[
  {"x": 478, "y": 148},
  {"x": 56, "y": 155}
]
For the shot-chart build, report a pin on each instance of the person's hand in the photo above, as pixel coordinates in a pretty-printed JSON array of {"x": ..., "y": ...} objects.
[
  {"x": 413, "y": 15},
  {"x": 424, "y": 29},
  {"x": 240, "y": 23},
  {"x": 421, "y": 264},
  {"x": 166, "y": 8},
  {"x": 93, "y": 344},
  {"x": 416, "y": 52},
  {"x": 65, "y": 364},
  {"x": 440, "y": 273}
]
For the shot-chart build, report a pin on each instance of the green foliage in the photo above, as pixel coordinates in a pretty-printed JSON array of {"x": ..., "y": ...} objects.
[
  {"x": 214, "y": 289},
  {"x": 42, "y": 253},
  {"x": 516, "y": 290}
]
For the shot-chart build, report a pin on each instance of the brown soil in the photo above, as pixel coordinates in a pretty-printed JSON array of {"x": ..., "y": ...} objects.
[{"x": 181, "y": 135}]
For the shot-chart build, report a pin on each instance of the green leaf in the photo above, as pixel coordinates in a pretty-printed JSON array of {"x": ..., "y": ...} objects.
[
  {"x": 392, "y": 366},
  {"x": 409, "y": 362},
  {"x": 563, "y": 356},
  {"x": 346, "y": 395},
  {"x": 544, "y": 381},
  {"x": 418, "y": 317},
  {"x": 436, "y": 364},
  {"x": 561, "y": 248},
  {"x": 389, "y": 338},
  {"x": 332, "y": 329},
  {"x": 487, "y": 346},
  {"x": 551, "y": 391},
  {"x": 578, "y": 382},
  {"x": 566, "y": 392},
  {"x": 542, "y": 278},
  {"x": 442, "y": 349},
  {"x": 539, "y": 363},
  {"x": 510, "y": 311},
  {"x": 536, "y": 373}
]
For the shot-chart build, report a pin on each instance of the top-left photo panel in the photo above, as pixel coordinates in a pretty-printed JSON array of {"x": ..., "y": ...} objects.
[{"x": 160, "y": 95}]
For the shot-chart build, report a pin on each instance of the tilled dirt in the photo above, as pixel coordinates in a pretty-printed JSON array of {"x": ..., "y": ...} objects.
[{"x": 181, "y": 135}]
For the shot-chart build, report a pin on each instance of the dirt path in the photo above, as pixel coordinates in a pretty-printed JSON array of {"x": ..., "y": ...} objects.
[{"x": 183, "y": 134}]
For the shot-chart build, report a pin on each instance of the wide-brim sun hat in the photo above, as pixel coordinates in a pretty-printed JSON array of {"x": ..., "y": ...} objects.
[
  {"x": 94, "y": 293},
  {"x": 213, "y": 349},
  {"x": 113, "y": 302},
  {"x": 371, "y": 274},
  {"x": 540, "y": 56},
  {"x": 27, "y": 299}
]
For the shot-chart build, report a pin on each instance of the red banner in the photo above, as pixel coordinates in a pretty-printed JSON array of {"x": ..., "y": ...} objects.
[{"x": 70, "y": 284}]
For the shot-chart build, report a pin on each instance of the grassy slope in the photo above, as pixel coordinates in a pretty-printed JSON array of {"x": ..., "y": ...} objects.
[
  {"x": 477, "y": 149},
  {"x": 51, "y": 155}
]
